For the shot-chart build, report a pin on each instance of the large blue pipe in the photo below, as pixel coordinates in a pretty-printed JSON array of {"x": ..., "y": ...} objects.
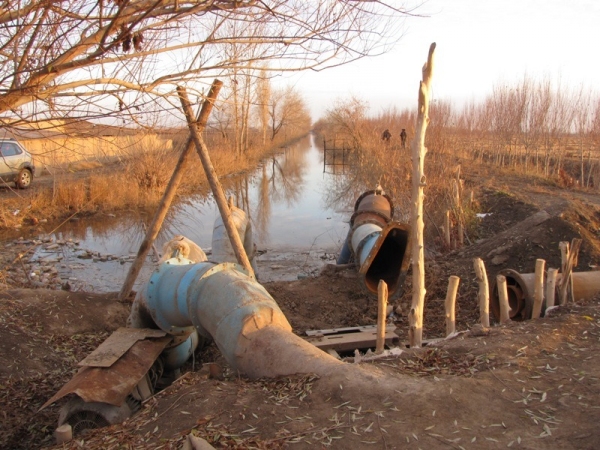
[{"x": 222, "y": 302}]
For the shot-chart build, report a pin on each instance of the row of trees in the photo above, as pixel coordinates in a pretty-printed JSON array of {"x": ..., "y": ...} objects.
[
  {"x": 254, "y": 114},
  {"x": 533, "y": 125},
  {"x": 536, "y": 126}
]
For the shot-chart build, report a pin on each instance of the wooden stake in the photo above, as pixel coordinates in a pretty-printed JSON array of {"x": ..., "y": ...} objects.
[
  {"x": 565, "y": 279},
  {"x": 418, "y": 152},
  {"x": 451, "y": 304},
  {"x": 484, "y": 292},
  {"x": 538, "y": 289},
  {"x": 215, "y": 185},
  {"x": 551, "y": 287},
  {"x": 447, "y": 229},
  {"x": 503, "y": 299},
  {"x": 169, "y": 194},
  {"x": 382, "y": 301}
]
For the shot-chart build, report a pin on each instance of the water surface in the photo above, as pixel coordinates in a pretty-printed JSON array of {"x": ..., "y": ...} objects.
[{"x": 295, "y": 230}]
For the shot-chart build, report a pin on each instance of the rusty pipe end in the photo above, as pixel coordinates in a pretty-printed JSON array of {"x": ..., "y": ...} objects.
[{"x": 388, "y": 259}]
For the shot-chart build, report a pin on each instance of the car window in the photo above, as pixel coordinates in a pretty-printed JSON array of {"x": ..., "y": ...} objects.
[{"x": 9, "y": 149}]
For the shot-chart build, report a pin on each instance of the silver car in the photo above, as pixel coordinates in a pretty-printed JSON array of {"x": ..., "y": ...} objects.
[{"x": 16, "y": 164}]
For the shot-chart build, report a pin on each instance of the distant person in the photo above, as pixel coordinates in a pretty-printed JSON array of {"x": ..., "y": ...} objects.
[
  {"x": 386, "y": 136},
  {"x": 403, "y": 137}
]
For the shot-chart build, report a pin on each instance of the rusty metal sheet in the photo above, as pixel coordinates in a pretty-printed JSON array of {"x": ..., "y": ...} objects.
[
  {"x": 116, "y": 345},
  {"x": 112, "y": 384}
]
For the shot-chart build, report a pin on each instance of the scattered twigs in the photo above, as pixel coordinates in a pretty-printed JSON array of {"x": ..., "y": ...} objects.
[
  {"x": 484, "y": 292},
  {"x": 451, "y": 304}
]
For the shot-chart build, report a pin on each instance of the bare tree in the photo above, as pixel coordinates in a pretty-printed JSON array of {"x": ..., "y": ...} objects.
[
  {"x": 348, "y": 120},
  {"x": 583, "y": 122},
  {"x": 288, "y": 113},
  {"x": 110, "y": 58},
  {"x": 263, "y": 96}
]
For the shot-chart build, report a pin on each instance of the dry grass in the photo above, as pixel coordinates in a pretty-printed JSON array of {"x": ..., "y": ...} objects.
[
  {"x": 136, "y": 180},
  {"x": 57, "y": 151}
]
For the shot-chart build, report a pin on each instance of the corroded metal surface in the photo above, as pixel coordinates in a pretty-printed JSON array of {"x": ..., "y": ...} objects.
[
  {"x": 113, "y": 384},
  {"x": 378, "y": 245},
  {"x": 116, "y": 345}
]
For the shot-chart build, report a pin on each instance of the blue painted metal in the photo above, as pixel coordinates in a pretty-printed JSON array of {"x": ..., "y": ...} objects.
[
  {"x": 378, "y": 245},
  {"x": 176, "y": 356},
  {"x": 220, "y": 300}
]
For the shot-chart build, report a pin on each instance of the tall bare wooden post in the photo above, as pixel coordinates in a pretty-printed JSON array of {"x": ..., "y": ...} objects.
[
  {"x": 418, "y": 152},
  {"x": 538, "y": 289},
  {"x": 447, "y": 229},
  {"x": 551, "y": 287},
  {"x": 215, "y": 185},
  {"x": 503, "y": 298},
  {"x": 450, "y": 304},
  {"x": 382, "y": 301},
  {"x": 169, "y": 194},
  {"x": 484, "y": 292}
]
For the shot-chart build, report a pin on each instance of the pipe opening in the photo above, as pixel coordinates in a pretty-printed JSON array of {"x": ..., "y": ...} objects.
[
  {"x": 388, "y": 259},
  {"x": 519, "y": 288}
]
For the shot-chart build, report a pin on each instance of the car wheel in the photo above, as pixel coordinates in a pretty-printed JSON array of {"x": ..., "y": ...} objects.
[{"x": 23, "y": 179}]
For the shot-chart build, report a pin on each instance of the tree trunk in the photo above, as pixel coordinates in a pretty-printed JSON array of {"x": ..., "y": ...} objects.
[{"x": 418, "y": 152}]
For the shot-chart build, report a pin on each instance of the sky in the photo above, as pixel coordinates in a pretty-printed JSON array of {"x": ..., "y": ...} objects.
[{"x": 479, "y": 44}]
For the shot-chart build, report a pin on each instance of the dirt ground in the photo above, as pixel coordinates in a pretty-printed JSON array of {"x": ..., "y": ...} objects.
[{"x": 530, "y": 385}]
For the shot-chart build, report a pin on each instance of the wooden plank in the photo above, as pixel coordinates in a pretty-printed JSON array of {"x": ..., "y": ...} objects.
[
  {"x": 349, "y": 341},
  {"x": 116, "y": 345},
  {"x": 357, "y": 329}
]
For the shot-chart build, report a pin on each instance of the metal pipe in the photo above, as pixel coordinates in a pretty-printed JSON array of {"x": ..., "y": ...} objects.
[
  {"x": 222, "y": 251},
  {"x": 224, "y": 302},
  {"x": 378, "y": 245},
  {"x": 520, "y": 291}
]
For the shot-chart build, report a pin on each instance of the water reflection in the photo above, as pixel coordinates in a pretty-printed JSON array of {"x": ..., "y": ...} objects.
[{"x": 287, "y": 199}]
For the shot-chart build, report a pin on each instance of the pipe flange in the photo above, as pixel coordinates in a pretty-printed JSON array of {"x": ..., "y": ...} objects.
[{"x": 374, "y": 192}]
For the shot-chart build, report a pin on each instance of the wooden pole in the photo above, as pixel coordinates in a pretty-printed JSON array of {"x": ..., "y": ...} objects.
[
  {"x": 538, "y": 289},
  {"x": 418, "y": 152},
  {"x": 215, "y": 185},
  {"x": 565, "y": 279},
  {"x": 447, "y": 229},
  {"x": 169, "y": 194},
  {"x": 484, "y": 292},
  {"x": 451, "y": 304},
  {"x": 503, "y": 299},
  {"x": 382, "y": 301},
  {"x": 551, "y": 287}
]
